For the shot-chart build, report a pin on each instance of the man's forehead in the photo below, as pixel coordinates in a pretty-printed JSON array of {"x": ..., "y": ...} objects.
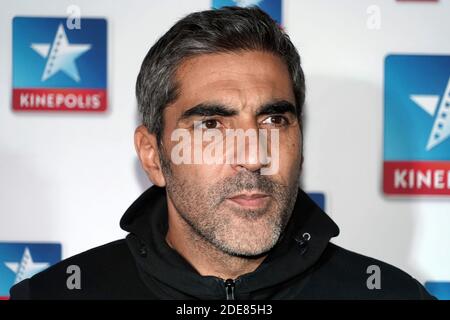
[
  {"x": 240, "y": 80},
  {"x": 223, "y": 68}
]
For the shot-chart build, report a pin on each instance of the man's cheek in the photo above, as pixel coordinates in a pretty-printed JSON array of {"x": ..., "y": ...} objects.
[{"x": 289, "y": 164}]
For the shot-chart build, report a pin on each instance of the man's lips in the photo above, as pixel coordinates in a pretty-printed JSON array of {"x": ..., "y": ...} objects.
[{"x": 250, "y": 200}]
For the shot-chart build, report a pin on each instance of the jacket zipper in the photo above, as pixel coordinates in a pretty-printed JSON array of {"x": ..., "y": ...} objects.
[{"x": 229, "y": 289}]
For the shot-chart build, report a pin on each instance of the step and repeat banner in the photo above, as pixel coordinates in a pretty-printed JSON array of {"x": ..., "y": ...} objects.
[{"x": 377, "y": 124}]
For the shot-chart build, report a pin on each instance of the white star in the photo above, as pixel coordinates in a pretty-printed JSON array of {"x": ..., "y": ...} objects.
[
  {"x": 441, "y": 127},
  {"x": 26, "y": 268},
  {"x": 60, "y": 55}
]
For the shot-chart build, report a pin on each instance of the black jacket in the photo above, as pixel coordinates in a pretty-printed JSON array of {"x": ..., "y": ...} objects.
[{"x": 143, "y": 266}]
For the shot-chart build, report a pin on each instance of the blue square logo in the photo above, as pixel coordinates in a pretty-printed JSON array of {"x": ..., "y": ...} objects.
[
  {"x": 318, "y": 198},
  {"x": 57, "y": 67},
  {"x": 19, "y": 261},
  {"x": 417, "y": 125},
  {"x": 439, "y": 289},
  {"x": 271, "y": 7}
]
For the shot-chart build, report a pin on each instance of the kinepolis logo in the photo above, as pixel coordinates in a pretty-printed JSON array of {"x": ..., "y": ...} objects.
[
  {"x": 318, "y": 198},
  {"x": 417, "y": 125},
  {"x": 439, "y": 289},
  {"x": 56, "y": 68},
  {"x": 272, "y": 7},
  {"x": 19, "y": 261}
]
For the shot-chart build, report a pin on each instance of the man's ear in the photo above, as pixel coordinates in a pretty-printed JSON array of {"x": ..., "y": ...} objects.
[{"x": 146, "y": 146}]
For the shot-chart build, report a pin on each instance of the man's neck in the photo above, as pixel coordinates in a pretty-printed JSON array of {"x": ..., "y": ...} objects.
[{"x": 202, "y": 255}]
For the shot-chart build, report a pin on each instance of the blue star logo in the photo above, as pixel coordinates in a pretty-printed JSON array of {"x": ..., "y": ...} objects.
[
  {"x": 441, "y": 113},
  {"x": 60, "y": 55},
  {"x": 26, "y": 268}
]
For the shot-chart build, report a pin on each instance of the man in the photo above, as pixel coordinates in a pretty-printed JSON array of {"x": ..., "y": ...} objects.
[{"x": 213, "y": 227}]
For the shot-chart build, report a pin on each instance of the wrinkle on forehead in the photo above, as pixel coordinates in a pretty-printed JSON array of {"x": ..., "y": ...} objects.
[{"x": 240, "y": 79}]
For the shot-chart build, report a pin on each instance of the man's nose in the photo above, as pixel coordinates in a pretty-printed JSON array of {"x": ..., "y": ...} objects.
[{"x": 247, "y": 144}]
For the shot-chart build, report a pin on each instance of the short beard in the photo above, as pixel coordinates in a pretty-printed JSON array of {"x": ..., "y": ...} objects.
[{"x": 199, "y": 209}]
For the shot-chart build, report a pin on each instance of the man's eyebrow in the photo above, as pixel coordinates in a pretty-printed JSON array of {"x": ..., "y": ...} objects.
[
  {"x": 208, "y": 110},
  {"x": 279, "y": 106}
]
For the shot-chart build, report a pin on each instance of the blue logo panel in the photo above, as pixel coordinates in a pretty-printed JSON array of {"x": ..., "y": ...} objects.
[
  {"x": 19, "y": 261},
  {"x": 440, "y": 290},
  {"x": 417, "y": 108},
  {"x": 57, "y": 67},
  {"x": 318, "y": 198},
  {"x": 271, "y": 7}
]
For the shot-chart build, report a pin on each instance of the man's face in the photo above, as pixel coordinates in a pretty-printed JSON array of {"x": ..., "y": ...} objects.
[{"x": 232, "y": 205}]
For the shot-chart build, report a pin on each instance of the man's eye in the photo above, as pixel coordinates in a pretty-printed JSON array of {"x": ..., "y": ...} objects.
[
  {"x": 275, "y": 120},
  {"x": 209, "y": 124}
]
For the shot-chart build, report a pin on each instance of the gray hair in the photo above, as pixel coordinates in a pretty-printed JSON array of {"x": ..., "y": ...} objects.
[{"x": 229, "y": 29}]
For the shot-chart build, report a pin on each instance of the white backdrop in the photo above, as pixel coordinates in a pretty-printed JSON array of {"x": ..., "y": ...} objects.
[{"x": 68, "y": 177}]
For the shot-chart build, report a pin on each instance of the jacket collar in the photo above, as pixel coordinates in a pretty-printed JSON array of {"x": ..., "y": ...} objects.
[{"x": 305, "y": 238}]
